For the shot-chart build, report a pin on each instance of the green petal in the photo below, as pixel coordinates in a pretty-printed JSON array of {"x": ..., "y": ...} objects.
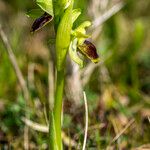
[
  {"x": 46, "y": 5},
  {"x": 75, "y": 14},
  {"x": 67, "y": 3},
  {"x": 73, "y": 53},
  {"x": 80, "y": 32},
  {"x": 82, "y": 27}
]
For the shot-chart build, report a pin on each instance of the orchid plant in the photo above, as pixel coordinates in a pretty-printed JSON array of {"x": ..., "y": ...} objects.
[{"x": 68, "y": 40}]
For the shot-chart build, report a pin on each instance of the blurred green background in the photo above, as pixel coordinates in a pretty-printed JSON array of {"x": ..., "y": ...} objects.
[{"x": 117, "y": 89}]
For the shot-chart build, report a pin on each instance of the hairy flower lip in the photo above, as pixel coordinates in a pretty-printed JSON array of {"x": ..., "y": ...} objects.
[
  {"x": 89, "y": 50},
  {"x": 41, "y": 22}
]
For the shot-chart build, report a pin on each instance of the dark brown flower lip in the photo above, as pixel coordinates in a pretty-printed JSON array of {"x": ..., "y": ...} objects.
[
  {"x": 41, "y": 22},
  {"x": 89, "y": 50}
]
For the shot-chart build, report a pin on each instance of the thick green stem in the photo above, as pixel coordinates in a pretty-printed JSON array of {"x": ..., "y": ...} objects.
[
  {"x": 58, "y": 106},
  {"x": 63, "y": 26}
]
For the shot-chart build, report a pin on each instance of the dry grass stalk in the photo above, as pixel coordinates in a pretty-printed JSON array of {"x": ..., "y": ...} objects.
[
  {"x": 86, "y": 121},
  {"x": 42, "y": 128},
  {"x": 20, "y": 77},
  {"x": 122, "y": 131}
]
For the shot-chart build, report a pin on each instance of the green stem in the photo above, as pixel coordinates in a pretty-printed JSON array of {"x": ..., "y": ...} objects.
[
  {"x": 52, "y": 133},
  {"x": 58, "y": 106}
]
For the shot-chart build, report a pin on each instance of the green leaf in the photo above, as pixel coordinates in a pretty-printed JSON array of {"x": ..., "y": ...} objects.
[
  {"x": 46, "y": 5},
  {"x": 75, "y": 14},
  {"x": 73, "y": 53},
  {"x": 63, "y": 37},
  {"x": 35, "y": 13}
]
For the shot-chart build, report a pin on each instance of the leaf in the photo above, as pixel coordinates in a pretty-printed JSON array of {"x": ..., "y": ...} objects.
[
  {"x": 73, "y": 53},
  {"x": 63, "y": 36},
  {"x": 75, "y": 14},
  {"x": 35, "y": 13},
  {"x": 46, "y": 5}
]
